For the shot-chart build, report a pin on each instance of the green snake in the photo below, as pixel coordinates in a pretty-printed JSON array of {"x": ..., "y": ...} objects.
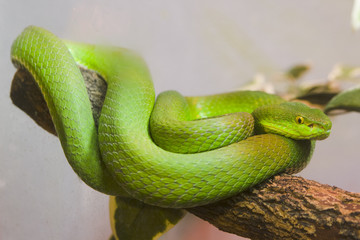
[{"x": 208, "y": 148}]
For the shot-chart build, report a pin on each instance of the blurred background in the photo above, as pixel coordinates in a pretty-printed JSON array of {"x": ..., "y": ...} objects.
[{"x": 195, "y": 47}]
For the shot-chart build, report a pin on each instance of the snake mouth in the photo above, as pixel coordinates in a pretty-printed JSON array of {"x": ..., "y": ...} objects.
[
  {"x": 323, "y": 136},
  {"x": 324, "y": 132},
  {"x": 312, "y": 135}
]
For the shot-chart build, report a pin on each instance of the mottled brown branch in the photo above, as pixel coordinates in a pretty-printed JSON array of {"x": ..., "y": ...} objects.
[
  {"x": 284, "y": 207},
  {"x": 288, "y": 207}
]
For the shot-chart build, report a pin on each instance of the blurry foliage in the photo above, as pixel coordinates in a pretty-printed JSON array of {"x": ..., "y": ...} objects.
[{"x": 290, "y": 85}]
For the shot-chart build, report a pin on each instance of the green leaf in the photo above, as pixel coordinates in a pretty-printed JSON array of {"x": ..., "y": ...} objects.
[
  {"x": 132, "y": 219},
  {"x": 348, "y": 100},
  {"x": 297, "y": 71}
]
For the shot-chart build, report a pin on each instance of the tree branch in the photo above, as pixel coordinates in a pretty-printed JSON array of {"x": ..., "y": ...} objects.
[
  {"x": 288, "y": 207},
  {"x": 283, "y": 207}
]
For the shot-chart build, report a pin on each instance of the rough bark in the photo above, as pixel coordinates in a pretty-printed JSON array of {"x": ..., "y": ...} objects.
[
  {"x": 288, "y": 207},
  {"x": 283, "y": 207}
]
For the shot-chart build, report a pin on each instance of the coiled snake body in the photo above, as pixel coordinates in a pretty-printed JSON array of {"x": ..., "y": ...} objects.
[{"x": 200, "y": 161}]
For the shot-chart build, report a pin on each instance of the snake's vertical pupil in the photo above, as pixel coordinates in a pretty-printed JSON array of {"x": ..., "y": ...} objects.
[{"x": 299, "y": 119}]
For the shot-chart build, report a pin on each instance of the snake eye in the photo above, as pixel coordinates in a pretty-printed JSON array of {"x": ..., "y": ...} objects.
[{"x": 299, "y": 119}]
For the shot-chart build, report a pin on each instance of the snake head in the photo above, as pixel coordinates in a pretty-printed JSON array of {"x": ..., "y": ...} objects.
[{"x": 292, "y": 119}]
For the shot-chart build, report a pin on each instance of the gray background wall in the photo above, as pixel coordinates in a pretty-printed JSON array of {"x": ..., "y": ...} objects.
[{"x": 195, "y": 47}]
